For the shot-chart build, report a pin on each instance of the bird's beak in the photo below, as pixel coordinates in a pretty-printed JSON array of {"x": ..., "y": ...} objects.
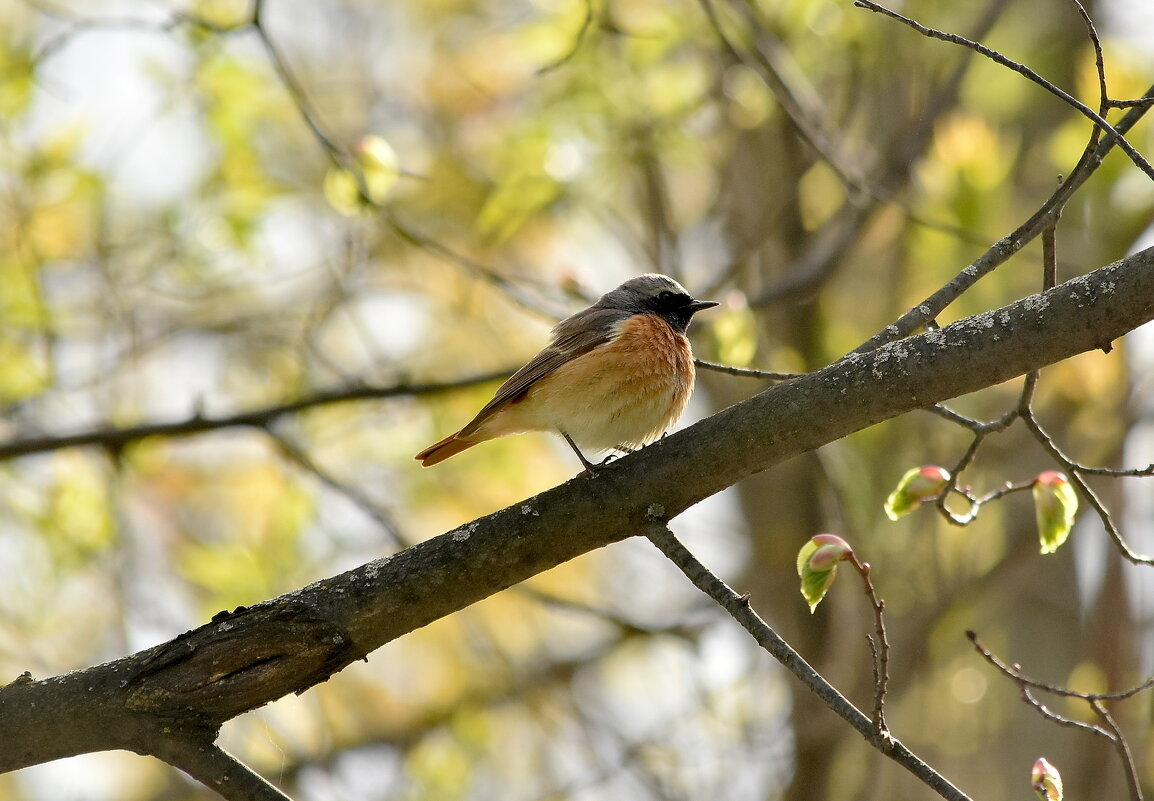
[{"x": 699, "y": 305}]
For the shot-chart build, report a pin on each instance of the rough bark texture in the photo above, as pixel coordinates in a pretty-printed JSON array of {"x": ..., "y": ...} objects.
[{"x": 187, "y": 687}]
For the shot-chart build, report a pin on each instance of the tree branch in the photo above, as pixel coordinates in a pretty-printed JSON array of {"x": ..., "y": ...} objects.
[
  {"x": 114, "y": 438},
  {"x": 217, "y": 769},
  {"x": 739, "y": 608},
  {"x": 1021, "y": 69},
  {"x": 998, "y": 253},
  {"x": 251, "y": 656}
]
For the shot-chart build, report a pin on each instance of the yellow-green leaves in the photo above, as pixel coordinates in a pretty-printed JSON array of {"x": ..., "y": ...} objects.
[
  {"x": 1046, "y": 780},
  {"x": 817, "y": 565},
  {"x": 1055, "y": 505},
  {"x": 368, "y": 181},
  {"x": 919, "y": 484}
]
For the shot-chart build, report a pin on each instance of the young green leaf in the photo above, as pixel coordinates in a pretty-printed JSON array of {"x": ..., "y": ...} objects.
[
  {"x": 376, "y": 171},
  {"x": 817, "y": 565},
  {"x": 917, "y": 485},
  {"x": 379, "y": 166},
  {"x": 1055, "y": 504},
  {"x": 1046, "y": 780}
]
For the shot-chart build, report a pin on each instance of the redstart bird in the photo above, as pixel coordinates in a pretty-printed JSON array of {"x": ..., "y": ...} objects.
[{"x": 613, "y": 376}]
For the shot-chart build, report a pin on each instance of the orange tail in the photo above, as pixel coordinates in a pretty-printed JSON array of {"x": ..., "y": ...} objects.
[{"x": 440, "y": 451}]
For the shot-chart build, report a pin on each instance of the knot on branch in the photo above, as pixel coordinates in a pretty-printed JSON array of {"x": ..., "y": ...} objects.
[{"x": 237, "y": 662}]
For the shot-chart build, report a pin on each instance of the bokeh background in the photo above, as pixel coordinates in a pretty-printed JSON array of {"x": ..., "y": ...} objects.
[{"x": 178, "y": 242}]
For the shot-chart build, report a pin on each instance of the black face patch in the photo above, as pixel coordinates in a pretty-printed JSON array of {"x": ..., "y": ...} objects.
[
  {"x": 667, "y": 301},
  {"x": 673, "y": 307}
]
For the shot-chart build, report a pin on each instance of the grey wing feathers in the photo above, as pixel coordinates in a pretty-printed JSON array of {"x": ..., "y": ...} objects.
[{"x": 572, "y": 337}]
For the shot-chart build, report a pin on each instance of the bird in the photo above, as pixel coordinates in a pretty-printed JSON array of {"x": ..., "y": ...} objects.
[{"x": 614, "y": 376}]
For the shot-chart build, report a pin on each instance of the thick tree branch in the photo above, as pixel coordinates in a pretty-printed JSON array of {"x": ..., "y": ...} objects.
[{"x": 247, "y": 658}]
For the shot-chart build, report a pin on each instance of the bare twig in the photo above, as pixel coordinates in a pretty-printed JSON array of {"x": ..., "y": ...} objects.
[
  {"x": 299, "y": 455},
  {"x": 1015, "y": 672},
  {"x": 980, "y": 430},
  {"x": 803, "y": 115},
  {"x": 1071, "y": 469},
  {"x": 1121, "y": 745},
  {"x": 1007, "y": 246},
  {"x": 1116, "y": 472},
  {"x": 745, "y": 372},
  {"x": 1021, "y": 69},
  {"x": 114, "y": 438},
  {"x": 1049, "y": 258},
  {"x": 586, "y": 23},
  {"x": 1109, "y": 728},
  {"x": 1099, "y": 64},
  {"x": 299, "y": 98},
  {"x": 512, "y": 289},
  {"x": 879, "y": 647},
  {"x": 739, "y": 607},
  {"x": 77, "y": 25},
  {"x": 1043, "y": 218}
]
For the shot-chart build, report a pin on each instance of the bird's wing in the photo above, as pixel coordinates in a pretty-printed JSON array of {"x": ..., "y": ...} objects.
[{"x": 572, "y": 337}]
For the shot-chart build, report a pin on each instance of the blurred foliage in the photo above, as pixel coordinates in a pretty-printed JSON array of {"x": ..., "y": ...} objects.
[{"x": 176, "y": 240}]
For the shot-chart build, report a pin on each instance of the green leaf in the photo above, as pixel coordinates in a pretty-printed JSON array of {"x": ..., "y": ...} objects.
[
  {"x": 917, "y": 485},
  {"x": 1055, "y": 505},
  {"x": 817, "y": 566},
  {"x": 1046, "y": 780},
  {"x": 379, "y": 166}
]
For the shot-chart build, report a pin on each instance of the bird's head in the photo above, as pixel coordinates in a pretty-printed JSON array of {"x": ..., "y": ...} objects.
[{"x": 656, "y": 294}]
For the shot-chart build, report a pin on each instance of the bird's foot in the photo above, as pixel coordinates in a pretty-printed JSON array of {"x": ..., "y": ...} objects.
[{"x": 590, "y": 468}]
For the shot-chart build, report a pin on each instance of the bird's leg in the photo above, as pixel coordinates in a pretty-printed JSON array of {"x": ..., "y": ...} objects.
[{"x": 590, "y": 468}]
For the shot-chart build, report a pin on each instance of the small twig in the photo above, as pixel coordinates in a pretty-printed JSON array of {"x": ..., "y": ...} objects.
[
  {"x": 116, "y": 438},
  {"x": 946, "y": 413},
  {"x": 1007, "y": 246},
  {"x": 739, "y": 608},
  {"x": 1050, "y": 257},
  {"x": 1021, "y": 69},
  {"x": 1015, "y": 672},
  {"x": 1116, "y": 472},
  {"x": 1109, "y": 728},
  {"x": 980, "y": 430},
  {"x": 1099, "y": 65},
  {"x": 745, "y": 372},
  {"x": 1071, "y": 469},
  {"x": 577, "y": 41},
  {"x": 879, "y": 648},
  {"x": 1061, "y": 720},
  {"x": 362, "y": 501},
  {"x": 1138, "y": 102},
  {"x": 76, "y": 25},
  {"x": 300, "y": 99},
  {"x": 1121, "y": 745},
  {"x": 803, "y": 115},
  {"x": 493, "y": 277},
  {"x": 978, "y": 501}
]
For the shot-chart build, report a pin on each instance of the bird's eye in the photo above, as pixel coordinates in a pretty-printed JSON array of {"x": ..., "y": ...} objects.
[{"x": 665, "y": 296}]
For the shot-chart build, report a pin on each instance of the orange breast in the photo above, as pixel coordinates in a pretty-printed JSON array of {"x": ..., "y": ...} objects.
[{"x": 626, "y": 392}]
